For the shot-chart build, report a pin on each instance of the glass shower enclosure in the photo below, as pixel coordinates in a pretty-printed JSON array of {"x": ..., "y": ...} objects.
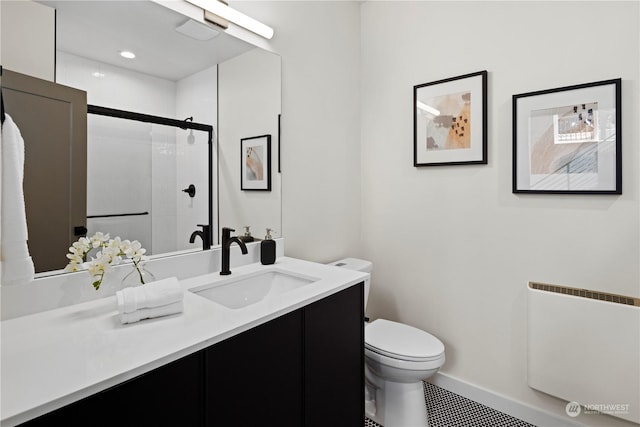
[{"x": 149, "y": 178}]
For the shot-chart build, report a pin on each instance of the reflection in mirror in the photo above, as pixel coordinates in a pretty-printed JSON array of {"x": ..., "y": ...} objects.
[
  {"x": 249, "y": 106},
  {"x": 174, "y": 75},
  {"x": 132, "y": 167}
]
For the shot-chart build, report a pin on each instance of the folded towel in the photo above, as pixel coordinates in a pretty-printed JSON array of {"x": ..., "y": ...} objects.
[
  {"x": 17, "y": 265},
  {"x": 150, "y": 313},
  {"x": 154, "y": 294}
]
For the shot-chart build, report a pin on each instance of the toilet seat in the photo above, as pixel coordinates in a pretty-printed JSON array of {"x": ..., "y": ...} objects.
[
  {"x": 405, "y": 366},
  {"x": 402, "y": 342}
]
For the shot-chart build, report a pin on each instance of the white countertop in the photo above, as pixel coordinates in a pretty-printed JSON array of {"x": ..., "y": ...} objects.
[{"x": 56, "y": 357}]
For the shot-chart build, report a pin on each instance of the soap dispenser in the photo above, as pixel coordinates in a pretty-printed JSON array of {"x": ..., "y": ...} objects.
[
  {"x": 247, "y": 235},
  {"x": 268, "y": 249}
]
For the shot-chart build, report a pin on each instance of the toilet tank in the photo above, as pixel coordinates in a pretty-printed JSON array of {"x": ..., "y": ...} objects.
[{"x": 358, "y": 265}]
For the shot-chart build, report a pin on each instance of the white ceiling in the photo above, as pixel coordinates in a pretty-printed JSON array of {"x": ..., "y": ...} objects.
[{"x": 99, "y": 30}]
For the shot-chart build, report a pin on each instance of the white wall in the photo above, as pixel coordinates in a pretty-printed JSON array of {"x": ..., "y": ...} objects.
[
  {"x": 26, "y": 43},
  {"x": 452, "y": 247},
  {"x": 319, "y": 43},
  {"x": 135, "y": 91},
  {"x": 250, "y": 101}
]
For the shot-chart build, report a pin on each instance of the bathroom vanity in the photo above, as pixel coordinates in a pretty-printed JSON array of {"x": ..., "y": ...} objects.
[{"x": 292, "y": 360}]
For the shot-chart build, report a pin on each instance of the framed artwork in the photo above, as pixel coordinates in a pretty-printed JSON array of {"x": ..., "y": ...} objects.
[
  {"x": 450, "y": 121},
  {"x": 255, "y": 157},
  {"x": 568, "y": 140}
]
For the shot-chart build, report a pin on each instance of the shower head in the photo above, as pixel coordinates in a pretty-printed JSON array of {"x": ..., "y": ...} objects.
[{"x": 190, "y": 138}]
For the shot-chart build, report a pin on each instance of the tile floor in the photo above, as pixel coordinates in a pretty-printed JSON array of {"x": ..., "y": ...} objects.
[{"x": 447, "y": 409}]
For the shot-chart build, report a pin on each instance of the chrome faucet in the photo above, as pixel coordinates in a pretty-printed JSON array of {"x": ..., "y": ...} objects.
[
  {"x": 227, "y": 240},
  {"x": 205, "y": 235}
]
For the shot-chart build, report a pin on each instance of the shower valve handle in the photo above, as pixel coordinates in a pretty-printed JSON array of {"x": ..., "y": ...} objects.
[{"x": 191, "y": 191}]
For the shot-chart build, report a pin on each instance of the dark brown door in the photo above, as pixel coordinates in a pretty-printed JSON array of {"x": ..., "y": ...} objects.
[{"x": 53, "y": 122}]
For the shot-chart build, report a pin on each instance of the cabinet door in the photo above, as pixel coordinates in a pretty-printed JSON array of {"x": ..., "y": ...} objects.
[
  {"x": 167, "y": 396},
  {"x": 255, "y": 378},
  {"x": 334, "y": 360}
]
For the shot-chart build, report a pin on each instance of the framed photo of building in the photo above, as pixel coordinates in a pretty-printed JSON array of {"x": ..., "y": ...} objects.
[{"x": 568, "y": 140}]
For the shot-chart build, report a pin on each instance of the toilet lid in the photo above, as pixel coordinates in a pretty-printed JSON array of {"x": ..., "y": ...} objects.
[{"x": 401, "y": 341}]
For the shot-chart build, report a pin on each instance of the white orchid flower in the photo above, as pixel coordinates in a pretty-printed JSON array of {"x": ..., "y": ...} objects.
[
  {"x": 115, "y": 243},
  {"x": 99, "y": 239},
  {"x": 83, "y": 244},
  {"x": 111, "y": 253},
  {"x": 135, "y": 251},
  {"x": 75, "y": 258},
  {"x": 71, "y": 267},
  {"x": 96, "y": 267}
]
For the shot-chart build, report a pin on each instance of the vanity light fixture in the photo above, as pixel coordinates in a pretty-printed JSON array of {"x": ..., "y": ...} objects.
[
  {"x": 197, "y": 31},
  {"x": 225, "y": 13},
  {"x": 127, "y": 54}
]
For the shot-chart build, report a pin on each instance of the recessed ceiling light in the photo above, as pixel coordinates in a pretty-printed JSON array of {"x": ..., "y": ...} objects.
[{"x": 127, "y": 54}]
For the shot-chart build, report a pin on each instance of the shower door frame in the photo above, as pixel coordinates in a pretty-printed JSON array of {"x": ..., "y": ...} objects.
[{"x": 182, "y": 124}]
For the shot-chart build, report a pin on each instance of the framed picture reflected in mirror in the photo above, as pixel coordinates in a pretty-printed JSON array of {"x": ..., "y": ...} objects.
[{"x": 255, "y": 163}]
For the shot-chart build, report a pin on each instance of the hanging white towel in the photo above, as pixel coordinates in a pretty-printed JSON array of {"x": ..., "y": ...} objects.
[{"x": 17, "y": 265}]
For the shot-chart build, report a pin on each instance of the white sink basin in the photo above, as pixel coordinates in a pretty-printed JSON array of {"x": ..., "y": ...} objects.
[{"x": 245, "y": 290}]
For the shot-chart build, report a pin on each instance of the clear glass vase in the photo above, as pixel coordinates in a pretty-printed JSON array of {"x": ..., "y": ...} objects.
[{"x": 139, "y": 275}]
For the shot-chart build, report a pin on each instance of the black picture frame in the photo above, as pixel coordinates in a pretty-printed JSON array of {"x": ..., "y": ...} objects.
[
  {"x": 450, "y": 121},
  {"x": 568, "y": 140},
  {"x": 255, "y": 163}
]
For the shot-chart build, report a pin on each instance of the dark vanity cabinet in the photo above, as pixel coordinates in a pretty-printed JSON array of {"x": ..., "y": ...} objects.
[
  {"x": 167, "y": 396},
  {"x": 305, "y": 368},
  {"x": 333, "y": 362},
  {"x": 255, "y": 378}
]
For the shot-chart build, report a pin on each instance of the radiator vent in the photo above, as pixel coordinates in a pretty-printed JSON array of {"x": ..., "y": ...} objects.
[
  {"x": 585, "y": 293},
  {"x": 583, "y": 346}
]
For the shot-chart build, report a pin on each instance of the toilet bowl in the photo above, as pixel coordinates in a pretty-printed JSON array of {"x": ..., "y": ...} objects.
[{"x": 398, "y": 357}]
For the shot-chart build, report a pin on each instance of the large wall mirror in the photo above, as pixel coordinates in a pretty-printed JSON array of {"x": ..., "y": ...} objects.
[{"x": 139, "y": 175}]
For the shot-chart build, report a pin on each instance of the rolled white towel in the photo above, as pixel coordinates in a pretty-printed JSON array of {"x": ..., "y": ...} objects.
[
  {"x": 150, "y": 313},
  {"x": 154, "y": 294}
]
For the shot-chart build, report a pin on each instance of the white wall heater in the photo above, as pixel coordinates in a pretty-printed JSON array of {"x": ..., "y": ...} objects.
[{"x": 583, "y": 346}]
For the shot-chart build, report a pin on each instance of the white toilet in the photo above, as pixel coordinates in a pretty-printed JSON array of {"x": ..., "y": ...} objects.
[{"x": 397, "y": 358}]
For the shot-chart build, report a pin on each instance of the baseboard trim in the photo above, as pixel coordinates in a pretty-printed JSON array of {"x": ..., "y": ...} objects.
[{"x": 501, "y": 403}]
